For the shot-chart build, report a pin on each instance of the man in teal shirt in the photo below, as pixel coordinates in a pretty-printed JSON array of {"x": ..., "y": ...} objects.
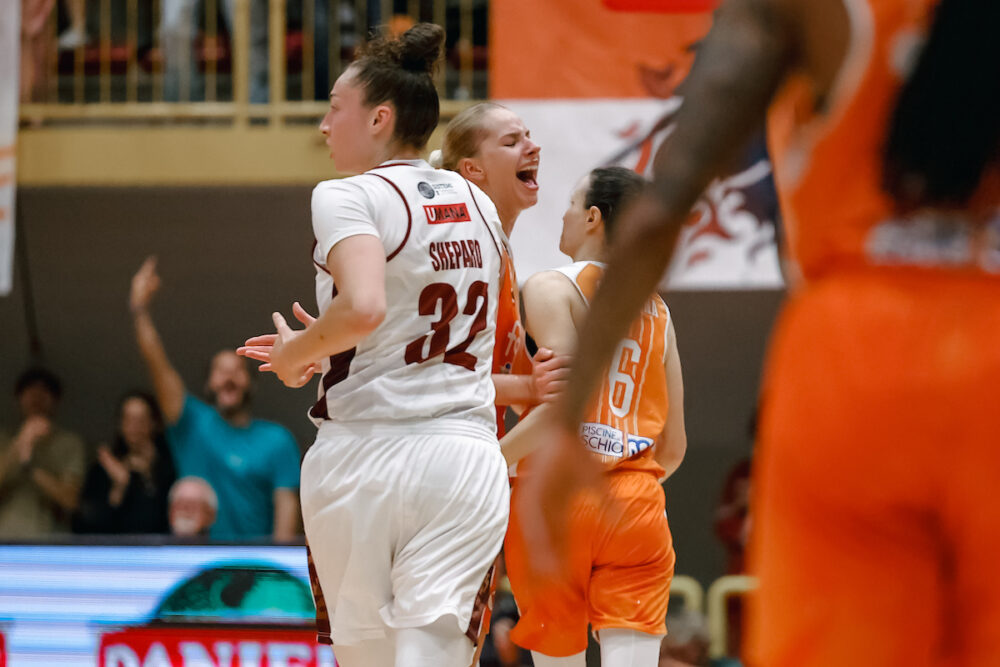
[{"x": 252, "y": 464}]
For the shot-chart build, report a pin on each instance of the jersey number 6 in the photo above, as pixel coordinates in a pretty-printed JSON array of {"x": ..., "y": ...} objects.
[
  {"x": 621, "y": 385},
  {"x": 443, "y": 295}
]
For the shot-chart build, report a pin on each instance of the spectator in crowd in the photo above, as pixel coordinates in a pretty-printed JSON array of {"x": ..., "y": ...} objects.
[
  {"x": 732, "y": 516},
  {"x": 41, "y": 463},
  {"x": 75, "y": 34},
  {"x": 732, "y": 527},
  {"x": 193, "y": 507},
  {"x": 182, "y": 80},
  {"x": 36, "y": 43},
  {"x": 252, "y": 464},
  {"x": 686, "y": 643},
  {"x": 126, "y": 488},
  {"x": 498, "y": 649}
]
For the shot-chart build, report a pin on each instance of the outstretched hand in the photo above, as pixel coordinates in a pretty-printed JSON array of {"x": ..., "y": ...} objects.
[
  {"x": 262, "y": 348},
  {"x": 145, "y": 283}
]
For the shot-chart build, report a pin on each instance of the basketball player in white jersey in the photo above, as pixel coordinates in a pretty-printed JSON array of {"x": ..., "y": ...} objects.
[{"x": 404, "y": 493}]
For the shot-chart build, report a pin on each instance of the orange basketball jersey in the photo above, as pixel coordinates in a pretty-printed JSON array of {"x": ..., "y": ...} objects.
[
  {"x": 835, "y": 222},
  {"x": 510, "y": 354},
  {"x": 624, "y": 422}
]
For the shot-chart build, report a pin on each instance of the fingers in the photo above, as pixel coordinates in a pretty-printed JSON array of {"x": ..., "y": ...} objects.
[
  {"x": 281, "y": 325},
  {"x": 263, "y": 340},
  {"x": 543, "y": 354},
  {"x": 553, "y": 362},
  {"x": 301, "y": 314},
  {"x": 148, "y": 266},
  {"x": 258, "y": 354}
]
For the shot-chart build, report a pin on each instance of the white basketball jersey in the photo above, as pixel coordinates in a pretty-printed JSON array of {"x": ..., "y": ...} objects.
[{"x": 431, "y": 357}]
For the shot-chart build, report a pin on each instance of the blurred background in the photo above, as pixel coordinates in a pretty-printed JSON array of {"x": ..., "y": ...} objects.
[{"x": 187, "y": 129}]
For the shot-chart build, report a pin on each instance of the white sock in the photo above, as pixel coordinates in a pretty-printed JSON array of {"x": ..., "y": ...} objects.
[
  {"x": 542, "y": 660},
  {"x": 440, "y": 644},
  {"x": 629, "y": 648}
]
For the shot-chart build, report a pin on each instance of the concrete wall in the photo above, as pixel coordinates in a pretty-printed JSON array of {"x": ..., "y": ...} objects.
[{"x": 229, "y": 256}]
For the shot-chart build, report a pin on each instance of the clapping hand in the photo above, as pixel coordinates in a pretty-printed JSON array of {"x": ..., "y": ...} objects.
[{"x": 266, "y": 347}]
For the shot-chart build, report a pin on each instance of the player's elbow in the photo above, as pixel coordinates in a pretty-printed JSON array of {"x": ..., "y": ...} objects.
[
  {"x": 671, "y": 453},
  {"x": 366, "y": 313}
]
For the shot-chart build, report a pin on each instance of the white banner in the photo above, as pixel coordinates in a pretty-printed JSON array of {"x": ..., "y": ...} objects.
[
  {"x": 10, "y": 58},
  {"x": 730, "y": 243}
]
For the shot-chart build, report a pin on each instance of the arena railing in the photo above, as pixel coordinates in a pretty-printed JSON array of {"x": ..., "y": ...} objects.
[
  {"x": 719, "y": 593},
  {"x": 690, "y": 591},
  {"x": 120, "y": 75}
]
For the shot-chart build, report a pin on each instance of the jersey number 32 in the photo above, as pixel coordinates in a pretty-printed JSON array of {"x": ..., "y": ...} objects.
[{"x": 436, "y": 342}]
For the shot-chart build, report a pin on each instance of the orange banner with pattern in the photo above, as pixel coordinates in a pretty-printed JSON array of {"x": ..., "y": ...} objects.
[{"x": 551, "y": 49}]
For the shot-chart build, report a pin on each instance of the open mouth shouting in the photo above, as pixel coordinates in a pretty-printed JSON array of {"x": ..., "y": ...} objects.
[{"x": 529, "y": 177}]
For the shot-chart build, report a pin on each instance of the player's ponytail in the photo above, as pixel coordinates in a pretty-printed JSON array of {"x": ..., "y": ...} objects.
[
  {"x": 945, "y": 131},
  {"x": 399, "y": 70},
  {"x": 610, "y": 190},
  {"x": 420, "y": 48}
]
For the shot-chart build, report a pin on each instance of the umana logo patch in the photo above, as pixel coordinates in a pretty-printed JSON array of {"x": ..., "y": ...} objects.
[{"x": 438, "y": 214}]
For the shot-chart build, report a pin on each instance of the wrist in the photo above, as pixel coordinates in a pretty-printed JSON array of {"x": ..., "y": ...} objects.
[{"x": 534, "y": 394}]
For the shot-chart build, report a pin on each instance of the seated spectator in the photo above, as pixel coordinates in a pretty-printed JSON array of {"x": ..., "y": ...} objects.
[
  {"x": 193, "y": 507},
  {"x": 252, "y": 464},
  {"x": 498, "y": 649},
  {"x": 732, "y": 527},
  {"x": 126, "y": 488},
  {"x": 41, "y": 463}
]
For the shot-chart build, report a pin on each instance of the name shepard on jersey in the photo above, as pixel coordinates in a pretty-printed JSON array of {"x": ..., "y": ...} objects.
[
  {"x": 607, "y": 441},
  {"x": 456, "y": 255}
]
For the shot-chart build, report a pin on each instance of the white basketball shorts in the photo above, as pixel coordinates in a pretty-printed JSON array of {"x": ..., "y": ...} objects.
[{"x": 403, "y": 521}]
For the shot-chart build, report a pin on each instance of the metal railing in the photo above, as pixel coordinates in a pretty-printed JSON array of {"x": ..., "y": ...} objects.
[
  {"x": 718, "y": 622},
  {"x": 689, "y": 590},
  {"x": 242, "y": 61}
]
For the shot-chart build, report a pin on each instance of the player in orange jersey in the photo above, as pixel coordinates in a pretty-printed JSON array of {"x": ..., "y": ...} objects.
[
  {"x": 618, "y": 576},
  {"x": 876, "y": 525},
  {"x": 490, "y": 145}
]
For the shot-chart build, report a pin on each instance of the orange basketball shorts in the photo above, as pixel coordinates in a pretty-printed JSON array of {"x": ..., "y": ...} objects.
[
  {"x": 876, "y": 519},
  {"x": 618, "y": 576}
]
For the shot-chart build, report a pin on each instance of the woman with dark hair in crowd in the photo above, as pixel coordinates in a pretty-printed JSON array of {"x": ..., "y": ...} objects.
[
  {"x": 404, "y": 493},
  {"x": 876, "y": 526},
  {"x": 126, "y": 487}
]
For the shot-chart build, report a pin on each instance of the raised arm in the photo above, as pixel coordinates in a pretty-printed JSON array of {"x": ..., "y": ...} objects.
[
  {"x": 167, "y": 383},
  {"x": 672, "y": 443}
]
